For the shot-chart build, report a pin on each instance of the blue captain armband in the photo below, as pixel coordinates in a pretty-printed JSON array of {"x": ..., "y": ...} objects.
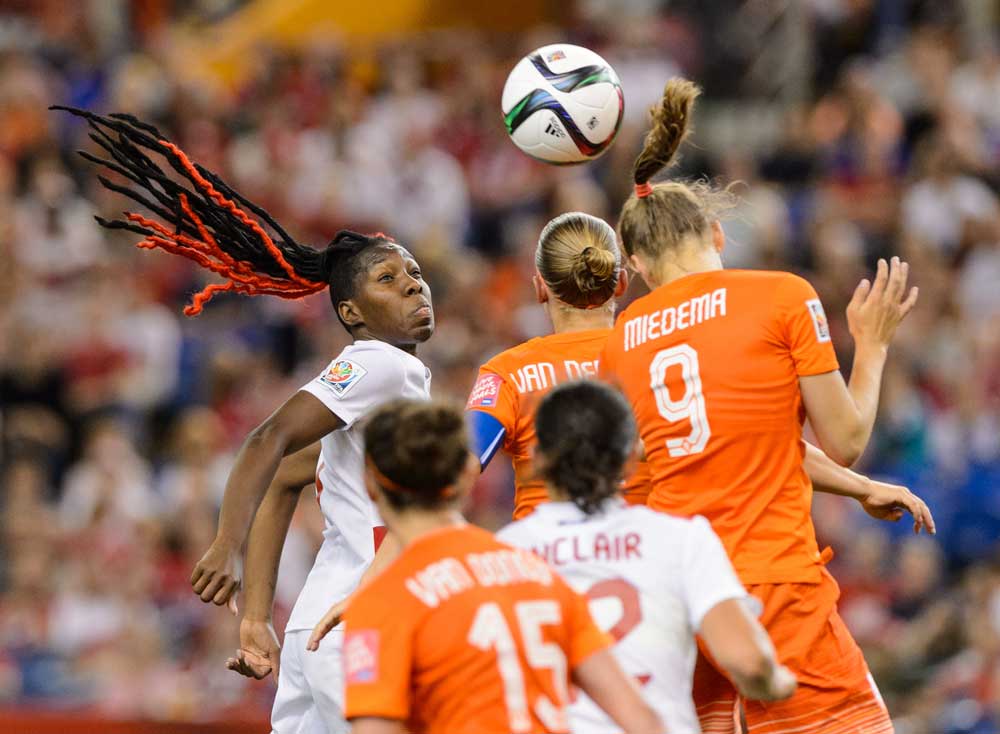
[{"x": 487, "y": 435}]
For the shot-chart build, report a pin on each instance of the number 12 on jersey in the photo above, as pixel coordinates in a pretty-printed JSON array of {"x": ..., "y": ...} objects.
[{"x": 691, "y": 404}]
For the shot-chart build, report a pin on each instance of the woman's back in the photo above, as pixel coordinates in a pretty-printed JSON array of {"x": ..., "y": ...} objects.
[
  {"x": 710, "y": 363},
  {"x": 464, "y": 633}
]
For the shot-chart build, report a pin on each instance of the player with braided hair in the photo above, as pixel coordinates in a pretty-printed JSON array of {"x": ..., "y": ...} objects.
[{"x": 380, "y": 297}]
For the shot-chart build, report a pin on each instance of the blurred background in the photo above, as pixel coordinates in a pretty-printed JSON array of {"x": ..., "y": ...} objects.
[{"x": 859, "y": 128}]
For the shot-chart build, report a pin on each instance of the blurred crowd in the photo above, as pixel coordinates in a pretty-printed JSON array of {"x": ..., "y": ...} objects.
[{"x": 855, "y": 129}]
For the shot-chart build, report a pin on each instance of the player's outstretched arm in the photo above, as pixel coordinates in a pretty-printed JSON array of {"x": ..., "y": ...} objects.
[
  {"x": 301, "y": 421},
  {"x": 602, "y": 678},
  {"x": 387, "y": 552},
  {"x": 741, "y": 646},
  {"x": 259, "y": 651},
  {"x": 881, "y": 500},
  {"x": 376, "y": 725},
  {"x": 843, "y": 415}
]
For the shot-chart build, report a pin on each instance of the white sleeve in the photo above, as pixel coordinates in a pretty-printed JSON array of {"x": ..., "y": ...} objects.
[
  {"x": 511, "y": 534},
  {"x": 355, "y": 383},
  {"x": 707, "y": 576}
]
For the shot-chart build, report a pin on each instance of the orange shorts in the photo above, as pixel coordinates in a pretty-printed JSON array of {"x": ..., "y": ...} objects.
[{"x": 836, "y": 693}]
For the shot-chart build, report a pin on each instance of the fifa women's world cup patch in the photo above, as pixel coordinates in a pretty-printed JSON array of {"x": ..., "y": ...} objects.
[
  {"x": 485, "y": 392},
  {"x": 342, "y": 375},
  {"x": 820, "y": 323},
  {"x": 361, "y": 656}
]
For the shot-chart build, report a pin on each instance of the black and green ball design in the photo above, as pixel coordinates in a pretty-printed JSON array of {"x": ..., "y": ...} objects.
[{"x": 563, "y": 104}]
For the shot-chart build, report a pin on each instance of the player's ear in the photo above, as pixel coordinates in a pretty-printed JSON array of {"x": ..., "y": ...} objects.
[
  {"x": 622, "y": 283},
  {"x": 638, "y": 265},
  {"x": 718, "y": 236},
  {"x": 541, "y": 291},
  {"x": 349, "y": 313}
]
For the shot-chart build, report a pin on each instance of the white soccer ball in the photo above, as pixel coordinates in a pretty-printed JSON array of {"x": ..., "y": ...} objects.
[{"x": 563, "y": 104}]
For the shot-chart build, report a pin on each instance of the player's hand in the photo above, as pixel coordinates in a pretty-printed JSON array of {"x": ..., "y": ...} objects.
[
  {"x": 890, "y": 501},
  {"x": 876, "y": 309},
  {"x": 218, "y": 575},
  {"x": 259, "y": 652},
  {"x": 330, "y": 620},
  {"x": 783, "y": 684}
]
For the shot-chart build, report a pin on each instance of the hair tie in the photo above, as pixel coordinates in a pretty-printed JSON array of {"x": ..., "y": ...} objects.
[
  {"x": 392, "y": 486},
  {"x": 642, "y": 190}
]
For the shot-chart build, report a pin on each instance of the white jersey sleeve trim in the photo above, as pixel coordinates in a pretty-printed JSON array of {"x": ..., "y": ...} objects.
[
  {"x": 707, "y": 576},
  {"x": 361, "y": 377}
]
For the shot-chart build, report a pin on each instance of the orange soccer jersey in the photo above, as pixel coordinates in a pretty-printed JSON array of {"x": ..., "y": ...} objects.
[
  {"x": 512, "y": 384},
  {"x": 463, "y": 633},
  {"x": 710, "y": 363}
]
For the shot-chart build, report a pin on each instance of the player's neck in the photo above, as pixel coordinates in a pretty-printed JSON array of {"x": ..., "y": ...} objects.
[
  {"x": 566, "y": 319},
  {"x": 410, "y": 526},
  {"x": 686, "y": 262},
  {"x": 361, "y": 333}
]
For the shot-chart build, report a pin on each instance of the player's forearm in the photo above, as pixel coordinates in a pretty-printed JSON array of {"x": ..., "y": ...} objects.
[
  {"x": 264, "y": 546},
  {"x": 254, "y": 470},
  {"x": 864, "y": 387},
  {"x": 830, "y": 477}
]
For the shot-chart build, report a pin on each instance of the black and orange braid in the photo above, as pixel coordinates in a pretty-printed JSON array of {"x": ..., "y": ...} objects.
[{"x": 208, "y": 221}]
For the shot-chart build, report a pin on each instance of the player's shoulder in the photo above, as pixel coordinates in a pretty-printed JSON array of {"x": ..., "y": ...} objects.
[
  {"x": 663, "y": 527},
  {"x": 770, "y": 281},
  {"x": 375, "y": 353}
]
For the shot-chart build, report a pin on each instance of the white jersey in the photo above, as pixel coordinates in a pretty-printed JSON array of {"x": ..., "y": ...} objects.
[
  {"x": 364, "y": 375},
  {"x": 650, "y": 578}
]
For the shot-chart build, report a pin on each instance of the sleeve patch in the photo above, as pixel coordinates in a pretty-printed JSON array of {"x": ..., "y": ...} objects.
[
  {"x": 342, "y": 375},
  {"x": 361, "y": 656},
  {"x": 485, "y": 391},
  {"x": 820, "y": 323}
]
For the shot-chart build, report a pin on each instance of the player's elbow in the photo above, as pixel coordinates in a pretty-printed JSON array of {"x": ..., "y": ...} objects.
[
  {"x": 646, "y": 721},
  {"x": 751, "y": 670},
  {"x": 852, "y": 444},
  {"x": 269, "y": 437}
]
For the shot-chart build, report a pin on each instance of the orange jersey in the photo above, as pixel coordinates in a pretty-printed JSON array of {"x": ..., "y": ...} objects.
[
  {"x": 711, "y": 363},
  {"x": 512, "y": 384},
  {"x": 463, "y": 633}
]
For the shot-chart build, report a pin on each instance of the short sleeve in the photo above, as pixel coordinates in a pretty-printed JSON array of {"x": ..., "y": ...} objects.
[
  {"x": 707, "y": 576},
  {"x": 805, "y": 327},
  {"x": 357, "y": 381},
  {"x": 378, "y": 654},
  {"x": 493, "y": 394},
  {"x": 585, "y": 637}
]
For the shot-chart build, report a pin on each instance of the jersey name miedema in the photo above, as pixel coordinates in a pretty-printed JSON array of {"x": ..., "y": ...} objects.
[
  {"x": 364, "y": 375},
  {"x": 512, "y": 384},
  {"x": 650, "y": 579},
  {"x": 464, "y": 633},
  {"x": 711, "y": 365}
]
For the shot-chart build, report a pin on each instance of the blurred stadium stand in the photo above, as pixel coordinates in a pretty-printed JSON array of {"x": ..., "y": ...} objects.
[{"x": 859, "y": 128}]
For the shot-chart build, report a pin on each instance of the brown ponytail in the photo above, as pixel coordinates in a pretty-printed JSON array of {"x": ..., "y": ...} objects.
[
  {"x": 661, "y": 217},
  {"x": 579, "y": 260},
  {"x": 671, "y": 125}
]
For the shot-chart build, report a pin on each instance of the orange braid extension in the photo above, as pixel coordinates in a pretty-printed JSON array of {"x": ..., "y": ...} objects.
[
  {"x": 221, "y": 200},
  {"x": 207, "y": 253}
]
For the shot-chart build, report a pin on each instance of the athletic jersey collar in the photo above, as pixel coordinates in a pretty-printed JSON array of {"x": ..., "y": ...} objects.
[
  {"x": 567, "y": 512},
  {"x": 377, "y": 344}
]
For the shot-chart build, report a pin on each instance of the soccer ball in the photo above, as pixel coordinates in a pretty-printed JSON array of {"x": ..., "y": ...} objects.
[{"x": 562, "y": 104}]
